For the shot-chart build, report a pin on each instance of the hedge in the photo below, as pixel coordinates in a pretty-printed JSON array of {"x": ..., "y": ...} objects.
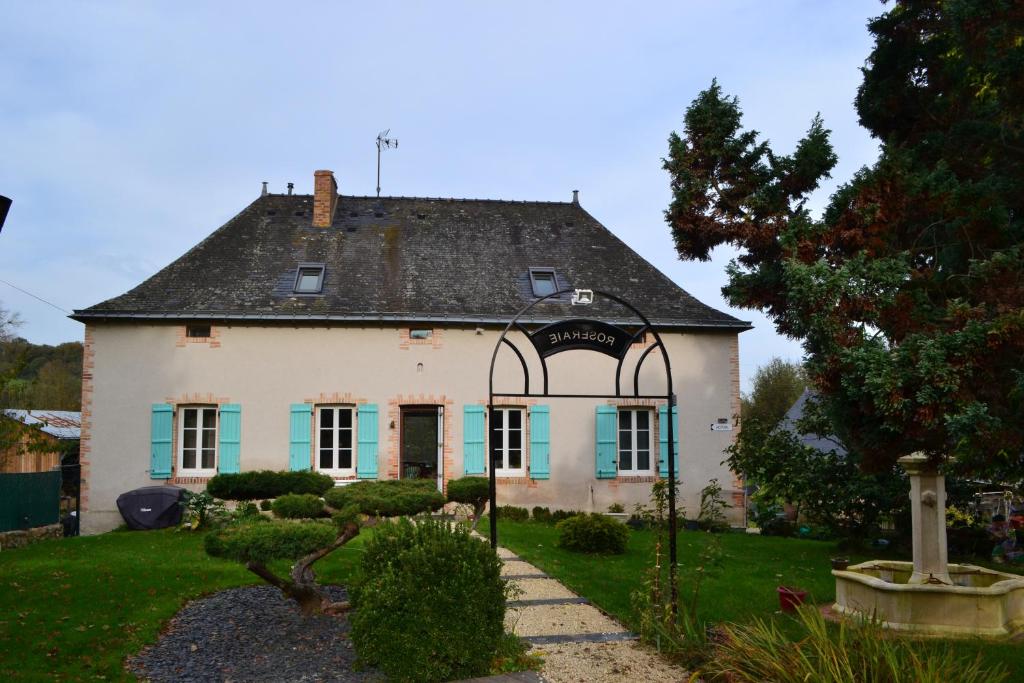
[{"x": 267, "y": 484}]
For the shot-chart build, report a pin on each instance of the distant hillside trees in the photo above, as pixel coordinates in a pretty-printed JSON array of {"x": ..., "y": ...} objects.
[{"x": 38, "y": 376}]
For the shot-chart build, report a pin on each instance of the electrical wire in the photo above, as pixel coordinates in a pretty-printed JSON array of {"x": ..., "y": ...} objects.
[{"x": 39, "y": 298}]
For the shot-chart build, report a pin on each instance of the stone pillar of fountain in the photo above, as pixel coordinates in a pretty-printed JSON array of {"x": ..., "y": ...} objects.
[{"x": 928, "y": 517}]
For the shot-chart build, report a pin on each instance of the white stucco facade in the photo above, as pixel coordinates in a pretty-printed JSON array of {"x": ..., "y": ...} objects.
[{"x": 265, "y": 369}]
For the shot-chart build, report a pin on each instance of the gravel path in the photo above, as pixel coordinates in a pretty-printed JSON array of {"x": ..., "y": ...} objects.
[{"x": 251, "y": 634}]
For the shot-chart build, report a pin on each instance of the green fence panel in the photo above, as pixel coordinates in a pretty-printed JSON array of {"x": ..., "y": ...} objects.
[{"x": 29, "y": 500}]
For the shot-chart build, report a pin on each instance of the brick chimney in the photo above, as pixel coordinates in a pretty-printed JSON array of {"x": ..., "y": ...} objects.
[{"x": 325, "y": 198}]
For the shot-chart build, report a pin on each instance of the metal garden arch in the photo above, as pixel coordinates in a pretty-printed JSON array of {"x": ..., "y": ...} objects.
[{"x": 584, "y": 334}]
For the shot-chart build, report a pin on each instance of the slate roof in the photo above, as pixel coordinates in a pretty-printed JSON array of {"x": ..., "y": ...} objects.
[
  {"x": 407, "y": 259},
  {"x": 63, "y": 424},
  {"x": 821, "y": 443}
]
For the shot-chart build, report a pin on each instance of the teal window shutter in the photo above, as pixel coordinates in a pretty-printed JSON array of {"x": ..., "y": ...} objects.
[
  {"x": 161, "y": 432},
  {"x": 229, "y": 457},
  {"x": 606, "y": 442},
  {"x": 540, "y": 442},
  {"x": 366, "y": 466},
  {"x": 300, "y": 441},
  {"x": 663, "y": 439},
  {"x": 473, "y": 439}
]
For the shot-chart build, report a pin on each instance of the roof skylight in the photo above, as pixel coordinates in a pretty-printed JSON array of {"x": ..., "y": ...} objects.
[
  {"x": 309, "y": 279},
  {"x": 543, "y": 282}
]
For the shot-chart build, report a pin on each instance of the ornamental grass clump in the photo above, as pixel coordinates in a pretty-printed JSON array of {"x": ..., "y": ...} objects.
[
  {"x": 429, "y": 602},
  {"x": 298, "y": 506},
  {"x": 844, "y": 653},
  {"x": 593, "y": 533}
]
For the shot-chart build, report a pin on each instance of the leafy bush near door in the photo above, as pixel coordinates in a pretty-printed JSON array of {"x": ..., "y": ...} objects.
[
  {"x": 593, "y": 533},
  {"x": 267, "y": 484},
  {"x": 429, "y": 602}
]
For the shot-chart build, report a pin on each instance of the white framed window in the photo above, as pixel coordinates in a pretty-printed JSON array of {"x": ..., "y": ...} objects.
[
  {"x": 635, "y": 441},
  {"x": 335, "y": 426},
  {"x": 197, "y": 441},
  {"x": 507, "y": 442}
]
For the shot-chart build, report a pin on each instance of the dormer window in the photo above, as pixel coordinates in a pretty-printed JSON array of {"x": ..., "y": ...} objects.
[
  {"x": 542, "y": 280},
  {"x": 310, "y": 278}
]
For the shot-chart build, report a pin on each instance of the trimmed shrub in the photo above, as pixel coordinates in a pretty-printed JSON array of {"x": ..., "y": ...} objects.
[
  {"x": 541, "y": 514},
  {"x": 475, "y": 491},
  {"x": 266, "y": 504},
  {"x": 469, "y": 491},
  {"x": 246, "y": 510},
  {"x": 593, "y": 533},
  {"x": 298, "y": 506},
  {"x": 273, "y": 540},
  {"x": 267, "y": 484},
  {"x": 429, "y": 602},
  {"x": 391, "y": 498},
  {"x": 511, "y": 513},
  {"x": 558, "y": 515}
]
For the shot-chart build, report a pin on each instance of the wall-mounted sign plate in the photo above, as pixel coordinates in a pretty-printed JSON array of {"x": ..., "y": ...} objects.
[{"x": 719, "y": 427}]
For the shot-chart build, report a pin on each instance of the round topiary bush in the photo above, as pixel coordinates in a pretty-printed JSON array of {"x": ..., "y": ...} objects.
[
  {"x": 266, "y": 504},
  {"x": 298, "y": 506},
  {"x": 593, "y": 533},
  {"x": 429, "y": 602},
  {"x": 390, "y": 498}
]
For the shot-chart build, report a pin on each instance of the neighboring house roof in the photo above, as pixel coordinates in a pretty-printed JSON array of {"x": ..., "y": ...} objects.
[
  {"x": 821, "y": 443},
  {"x": 406, "y": 259},
  {"x": 63, "y": 424}
]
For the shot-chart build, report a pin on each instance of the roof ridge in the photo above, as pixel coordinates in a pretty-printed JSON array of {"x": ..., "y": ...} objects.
[{"x": 433, "y": 199}]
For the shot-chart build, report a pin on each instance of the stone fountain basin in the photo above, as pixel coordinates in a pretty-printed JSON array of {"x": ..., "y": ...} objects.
[{"x": 981, "y": 601}]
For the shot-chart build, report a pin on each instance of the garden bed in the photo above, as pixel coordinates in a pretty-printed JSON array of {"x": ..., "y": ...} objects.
[{"x": 251, "y": 634}]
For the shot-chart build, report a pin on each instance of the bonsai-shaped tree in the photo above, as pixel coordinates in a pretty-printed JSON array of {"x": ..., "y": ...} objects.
[
  {"x": 304, "y": 542},
  {"x": 474, "y": 491}
]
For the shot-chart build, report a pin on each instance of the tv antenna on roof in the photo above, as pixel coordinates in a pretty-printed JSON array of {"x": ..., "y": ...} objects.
[{"x": 384, "y": 142}]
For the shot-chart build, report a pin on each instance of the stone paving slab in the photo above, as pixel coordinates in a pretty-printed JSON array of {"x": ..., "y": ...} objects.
[
  {"x": 538, "y": 589},
  {"x": 548, "y": 601},
  {"x": 521, "y": 577},
  {"x": 518, "y": 677},
  {"x": 582, "y": 638}
]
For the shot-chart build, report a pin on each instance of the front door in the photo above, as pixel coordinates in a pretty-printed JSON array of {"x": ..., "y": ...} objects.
[{"x": 422, "y": 444}]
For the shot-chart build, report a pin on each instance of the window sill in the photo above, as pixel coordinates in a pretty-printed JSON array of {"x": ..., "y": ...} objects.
[
  {"x": 194, "y": 474},
  {"x": 338, "y": 474},
  {"x": 509, "y": 474}
]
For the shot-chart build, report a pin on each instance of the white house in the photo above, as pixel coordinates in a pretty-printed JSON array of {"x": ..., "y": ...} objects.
[{"x": 354, "y": 335}]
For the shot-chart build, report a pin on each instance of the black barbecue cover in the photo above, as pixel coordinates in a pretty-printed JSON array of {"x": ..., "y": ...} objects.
[{"x": 151, "y": 507}]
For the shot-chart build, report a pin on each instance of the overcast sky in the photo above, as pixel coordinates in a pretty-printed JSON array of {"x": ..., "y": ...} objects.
[{"x": 129, "y": 131}]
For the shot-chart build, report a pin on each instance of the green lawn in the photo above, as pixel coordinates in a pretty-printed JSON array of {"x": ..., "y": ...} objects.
[
  {"x": 742, "y": 587},
  {"x": 73, "y": 609}
]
